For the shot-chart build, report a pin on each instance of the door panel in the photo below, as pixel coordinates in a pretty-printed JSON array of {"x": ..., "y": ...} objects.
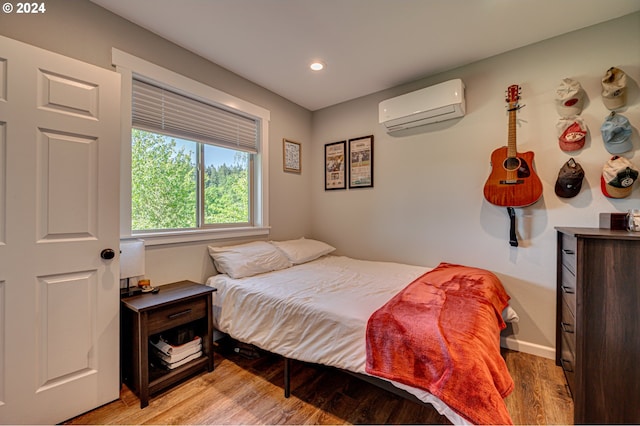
[
  {"x": 59, "y": 327},
  {"x": 66, "y": 95},
  {"x": 68, "y": 186},
  {"x": 66, "y": 331}
]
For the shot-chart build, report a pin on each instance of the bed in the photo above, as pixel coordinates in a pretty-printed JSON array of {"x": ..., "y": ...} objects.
[{"x": 295, "y": 299}]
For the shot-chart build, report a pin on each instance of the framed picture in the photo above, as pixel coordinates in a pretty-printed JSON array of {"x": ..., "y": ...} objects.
[
  {"x": 291, "y": 156},
  {"x": 335, "y": 171},
  {"x": 361, "y": 162}
]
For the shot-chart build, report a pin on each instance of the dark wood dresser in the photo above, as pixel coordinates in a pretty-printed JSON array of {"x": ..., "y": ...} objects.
[{"x": 598, "y": 322}]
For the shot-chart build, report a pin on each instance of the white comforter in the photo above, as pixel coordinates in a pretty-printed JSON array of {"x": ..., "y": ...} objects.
[{"x": 315, "y": 312}]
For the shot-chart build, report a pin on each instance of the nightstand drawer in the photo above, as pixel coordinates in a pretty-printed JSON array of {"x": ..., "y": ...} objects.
[{"x": 176, "y": 314}]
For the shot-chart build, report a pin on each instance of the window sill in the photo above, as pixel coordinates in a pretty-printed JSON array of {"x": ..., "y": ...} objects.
[{"x": 175, "y": 237}]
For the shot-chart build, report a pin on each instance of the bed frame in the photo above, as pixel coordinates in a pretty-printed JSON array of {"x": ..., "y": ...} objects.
[{"x": 382, "y": 384}]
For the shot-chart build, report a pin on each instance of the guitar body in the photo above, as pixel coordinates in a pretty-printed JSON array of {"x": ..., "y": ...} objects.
[{"x": 512, "y": 182}]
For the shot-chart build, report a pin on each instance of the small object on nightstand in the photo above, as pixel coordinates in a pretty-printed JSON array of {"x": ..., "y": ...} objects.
[
  {"x": 146, "y": 286},
  {"x": 155, "y": 290}
]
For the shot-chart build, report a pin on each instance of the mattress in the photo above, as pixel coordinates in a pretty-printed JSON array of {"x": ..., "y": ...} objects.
[{"x": 315, "y": 312}]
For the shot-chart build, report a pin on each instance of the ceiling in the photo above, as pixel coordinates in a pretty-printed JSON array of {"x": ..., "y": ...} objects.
[{"x": 367, "y": 45}]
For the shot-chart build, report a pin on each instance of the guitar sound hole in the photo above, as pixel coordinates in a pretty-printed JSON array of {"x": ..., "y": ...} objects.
[
  {"x": 511, "y": 163},
  {"x": 518, "y": 165}
]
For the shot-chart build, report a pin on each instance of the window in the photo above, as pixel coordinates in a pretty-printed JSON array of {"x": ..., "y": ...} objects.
[
  {"x": 191, "y": 161},
  {"x": 194, "y": 159},
  {"x": 165, "y": 175}
]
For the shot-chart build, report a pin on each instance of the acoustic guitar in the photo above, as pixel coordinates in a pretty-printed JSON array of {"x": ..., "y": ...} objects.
[{"x": 512, "y": 182}]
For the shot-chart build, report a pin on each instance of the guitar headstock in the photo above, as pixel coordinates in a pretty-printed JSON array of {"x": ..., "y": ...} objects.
[{"x": 513, "y": 94}]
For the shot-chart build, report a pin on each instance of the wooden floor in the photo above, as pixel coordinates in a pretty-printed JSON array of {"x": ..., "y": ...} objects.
[{"x": 249, "y": 391}]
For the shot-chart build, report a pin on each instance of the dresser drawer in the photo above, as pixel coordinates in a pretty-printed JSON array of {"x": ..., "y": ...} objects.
[
  {"x": 568, "y": 342},
  {"x": 568, "y": 362},
  {"x": 568, "y": 328},
  {"x": 568, "y": 289},
  {"x": 569, "y": 249},
  {"x": 176, "y": 314}
]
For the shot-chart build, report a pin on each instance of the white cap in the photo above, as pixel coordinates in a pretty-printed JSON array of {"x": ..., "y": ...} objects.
[{"x": 569, "y": 98}]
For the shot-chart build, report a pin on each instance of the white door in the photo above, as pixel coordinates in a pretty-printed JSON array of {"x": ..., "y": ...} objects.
[{"x": 59, "y": 208}]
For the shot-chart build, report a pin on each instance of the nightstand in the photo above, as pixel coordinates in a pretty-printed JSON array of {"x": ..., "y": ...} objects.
[{"x": 184, "y": 306}]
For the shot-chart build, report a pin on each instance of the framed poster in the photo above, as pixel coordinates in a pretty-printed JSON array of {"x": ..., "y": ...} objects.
[
  {"x": 334, "y": 166},
  {"x": 291, "y": 156},
  {"x": 361, "y": 162}
]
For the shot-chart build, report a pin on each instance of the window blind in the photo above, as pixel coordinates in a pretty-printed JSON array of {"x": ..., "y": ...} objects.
[{"x": 157, "y": 109}]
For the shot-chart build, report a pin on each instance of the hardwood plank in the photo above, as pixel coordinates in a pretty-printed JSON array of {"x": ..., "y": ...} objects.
[
  {"x": 250, "y": 391},
  {"x": 557, "y": 399},
  {"x": 514, "y": 402},
  {"x": 539, "y": 396},
  {"x": 527, "y": 391}
]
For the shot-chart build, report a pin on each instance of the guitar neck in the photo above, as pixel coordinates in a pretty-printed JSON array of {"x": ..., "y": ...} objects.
[{"x": 511, "y": 141}]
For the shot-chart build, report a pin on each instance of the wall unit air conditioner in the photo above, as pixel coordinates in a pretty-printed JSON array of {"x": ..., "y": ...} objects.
[{"x": 441, "y": 102}]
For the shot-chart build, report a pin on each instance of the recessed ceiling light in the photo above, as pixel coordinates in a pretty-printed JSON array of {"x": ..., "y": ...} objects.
[{"x": 317, "y": 66}]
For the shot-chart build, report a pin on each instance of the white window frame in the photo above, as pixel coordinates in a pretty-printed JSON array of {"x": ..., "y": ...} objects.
[{"x": 128, "y": 66}]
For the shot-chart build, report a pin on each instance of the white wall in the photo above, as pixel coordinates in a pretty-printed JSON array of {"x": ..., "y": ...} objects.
[{"x": 427, "y": 204}]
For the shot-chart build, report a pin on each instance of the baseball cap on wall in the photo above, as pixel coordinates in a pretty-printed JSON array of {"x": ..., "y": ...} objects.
[
  {"x": 616, "y": 133},
  {"x": 571, "y": 133},
  {"x": 614, "y": 88},
  {"x": 618, "y": 177},
  {"x": 569, "y": 180},
  {"x": 569, "y": 98}
]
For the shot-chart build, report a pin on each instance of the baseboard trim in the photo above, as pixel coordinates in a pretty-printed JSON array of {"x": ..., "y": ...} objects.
[{"x": 527, "y": 347}]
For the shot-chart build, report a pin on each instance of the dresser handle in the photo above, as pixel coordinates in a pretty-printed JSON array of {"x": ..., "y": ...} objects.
[
  {"x": 567, "y": 251},
  {"x": 566, "y": 327},
  {"x": 179, "y": 314},
  {"x": 567, "y": 362},
  {"x": 568, "y": 290}
]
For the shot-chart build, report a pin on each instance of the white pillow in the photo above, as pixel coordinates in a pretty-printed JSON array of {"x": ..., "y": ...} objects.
[
  {"x": 303, "y": 250},
  {"x": 245, "y": 260}
]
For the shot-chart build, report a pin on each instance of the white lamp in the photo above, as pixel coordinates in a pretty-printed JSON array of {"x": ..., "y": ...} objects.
[{"x": 131, "y": 260}]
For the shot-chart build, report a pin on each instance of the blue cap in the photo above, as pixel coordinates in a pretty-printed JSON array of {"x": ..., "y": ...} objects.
[{"x": 616, "y": 134}]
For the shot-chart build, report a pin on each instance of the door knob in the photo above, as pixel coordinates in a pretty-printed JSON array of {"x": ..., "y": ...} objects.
[{"x": 107, "y": 254}]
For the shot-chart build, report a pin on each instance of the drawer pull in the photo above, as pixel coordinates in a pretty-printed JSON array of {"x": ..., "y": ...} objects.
[
  {"x": 568, "y": 251},
  {"x": 568, "y": 290},
  {"x": 566, "y": 327},
  {"x": 179, "y": 314},
  {"x": 566, "y": 365}
]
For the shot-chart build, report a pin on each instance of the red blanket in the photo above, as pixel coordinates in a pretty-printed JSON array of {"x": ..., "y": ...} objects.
[{"x": 442, "y": 334}]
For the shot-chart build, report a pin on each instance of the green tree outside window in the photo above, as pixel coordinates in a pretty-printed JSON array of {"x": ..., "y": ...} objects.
[{"x": 165, "y": 187}]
